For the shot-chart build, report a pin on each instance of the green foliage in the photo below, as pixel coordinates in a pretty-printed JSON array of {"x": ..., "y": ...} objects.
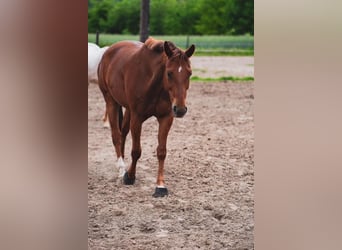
[
  {"x": 125, "y": 17},
  {"x": 214, "y": 19},
  {"x": 98, "y": 12},
  {"x": 243, "y": 17},
  {"x": 173, "y": 17},
  {"x": 226, "y": 17},
  {"x": 114, "y": 16}
]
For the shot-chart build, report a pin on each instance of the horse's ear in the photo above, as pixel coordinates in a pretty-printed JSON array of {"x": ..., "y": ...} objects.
[
  {"x": 190, "y": 51},
  {"x": 167, "y": 49}
]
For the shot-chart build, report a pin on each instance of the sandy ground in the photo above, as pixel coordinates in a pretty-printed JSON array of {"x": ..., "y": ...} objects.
[
  {"x": 217, "y": 66},
  {"x": 208, "y": 171}
]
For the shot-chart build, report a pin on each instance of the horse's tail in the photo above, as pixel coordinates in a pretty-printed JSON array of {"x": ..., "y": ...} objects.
[{"x": 120, "y": 117}]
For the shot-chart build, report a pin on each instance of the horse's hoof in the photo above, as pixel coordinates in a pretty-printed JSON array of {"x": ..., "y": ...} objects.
[
  {"x": 160, "y": 192},
  {"x": 127, "y": 180}
]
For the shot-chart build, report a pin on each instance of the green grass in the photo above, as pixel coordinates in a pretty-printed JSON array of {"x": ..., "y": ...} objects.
[
  {"x": 222, "y": 79},
  {"x": 108, "y": 39},
  {"x": 205, "y": 45},
  {"x": 227, "y": 52}
]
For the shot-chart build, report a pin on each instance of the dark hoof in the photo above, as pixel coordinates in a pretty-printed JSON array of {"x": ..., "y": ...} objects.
[
  {"x": 127, "y": 180},
  {"x": 160, "y": 192}
]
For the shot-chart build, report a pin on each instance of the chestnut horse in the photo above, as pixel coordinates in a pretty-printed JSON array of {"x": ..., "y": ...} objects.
[{"x": 147, "y": 79}]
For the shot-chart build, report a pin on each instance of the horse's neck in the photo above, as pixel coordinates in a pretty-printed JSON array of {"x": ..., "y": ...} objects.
[
  {"x": 157, "y": 67},
  {"x": 158, "y": 72},
  {"x": 156, "y": 90}
]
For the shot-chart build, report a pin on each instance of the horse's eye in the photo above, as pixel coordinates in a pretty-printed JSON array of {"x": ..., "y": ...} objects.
[{"x": 169, "y": 74}]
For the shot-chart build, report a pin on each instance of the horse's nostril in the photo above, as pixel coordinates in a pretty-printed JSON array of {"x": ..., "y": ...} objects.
[{"x": 179, "y": 111}]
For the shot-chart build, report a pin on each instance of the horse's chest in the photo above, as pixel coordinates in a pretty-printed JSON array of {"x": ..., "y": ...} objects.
[
  {"x": 163, "y": 108},
  {"x": 155, "y": 107}
]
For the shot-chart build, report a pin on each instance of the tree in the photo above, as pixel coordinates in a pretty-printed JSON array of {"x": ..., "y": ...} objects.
[
  {"x": 98, "y": 14},
  {"x": 144, "y": 20},
  {"x": 171, "y": 17},
  {"x": 124, "y": 17},
  {"x": 243, "y": 17},
  {"x": 215, "y": 17},
  {"x": 234, "y": 17}
]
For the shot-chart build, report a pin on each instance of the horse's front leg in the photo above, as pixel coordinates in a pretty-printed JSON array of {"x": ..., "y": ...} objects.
[
  {"x": 164, "y": 128},
  {"x": 125, "y": 130},
  {"x": 135, "y": 126}
]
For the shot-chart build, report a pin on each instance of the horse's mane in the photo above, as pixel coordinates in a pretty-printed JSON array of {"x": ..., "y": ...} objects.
[
  {"x": 158, "y": 45},
  {"x": 153, "y": 44}
]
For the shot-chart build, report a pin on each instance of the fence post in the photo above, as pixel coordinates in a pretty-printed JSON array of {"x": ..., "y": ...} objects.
[{"x": 97, "y": 38}]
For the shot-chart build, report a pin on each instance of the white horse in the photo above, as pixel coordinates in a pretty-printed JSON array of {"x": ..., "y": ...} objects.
[{"x": 94, "y": 57}]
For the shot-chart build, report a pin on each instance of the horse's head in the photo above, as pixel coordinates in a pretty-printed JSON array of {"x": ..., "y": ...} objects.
[{"x": 178, "y": 72}]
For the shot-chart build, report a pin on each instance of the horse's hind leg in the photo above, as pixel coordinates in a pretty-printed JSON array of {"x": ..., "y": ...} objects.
[
  {"x": 105, "y": 120},
  {"x": 113, "y": 114},
  {"x": 125, "y": 130},
  {"x": 135, "y": 126},
  {"x": 164, "y": 128}
]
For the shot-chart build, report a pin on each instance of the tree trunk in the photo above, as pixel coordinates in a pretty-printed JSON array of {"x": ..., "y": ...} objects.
[{"x": 144, "y": 20}]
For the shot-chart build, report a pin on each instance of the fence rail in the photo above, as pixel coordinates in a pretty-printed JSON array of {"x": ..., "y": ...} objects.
[{"x": 202, "y": 42}]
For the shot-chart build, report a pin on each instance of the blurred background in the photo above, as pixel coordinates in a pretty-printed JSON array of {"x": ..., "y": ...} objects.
[{"x": 218, "y": 27}]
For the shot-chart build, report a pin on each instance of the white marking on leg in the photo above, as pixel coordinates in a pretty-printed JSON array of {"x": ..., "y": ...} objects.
[
  {"x": 160, "y": 186},
  {"x": 122, "y": 166},
  {"x": 179, "y": 69},
  {"x": 106, "y": 124}
]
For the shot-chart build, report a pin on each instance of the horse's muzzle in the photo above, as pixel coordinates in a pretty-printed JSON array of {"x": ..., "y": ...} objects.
[{"x": 179, "y": 111}]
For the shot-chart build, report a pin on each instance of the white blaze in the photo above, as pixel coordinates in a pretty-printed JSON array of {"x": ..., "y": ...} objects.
[{"x": 179, "y": 69}]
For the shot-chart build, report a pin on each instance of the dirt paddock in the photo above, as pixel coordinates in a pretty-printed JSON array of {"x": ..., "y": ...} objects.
[{"x": 208, "y": 172}]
